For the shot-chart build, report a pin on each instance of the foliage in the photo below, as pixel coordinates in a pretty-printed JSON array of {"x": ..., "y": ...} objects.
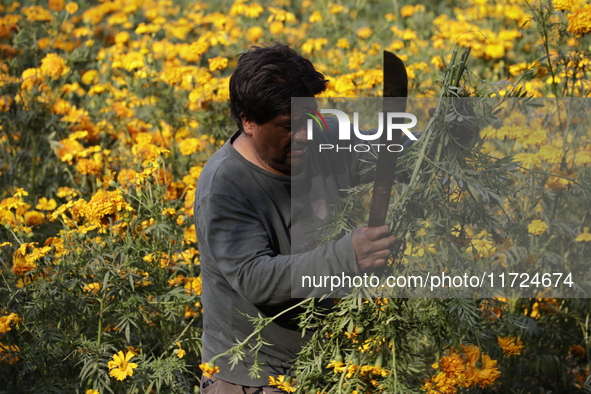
[{"x": 109, "y": 110}]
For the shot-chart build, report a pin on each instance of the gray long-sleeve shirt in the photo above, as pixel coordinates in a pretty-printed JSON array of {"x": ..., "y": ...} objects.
[{"x": 249, "y": 254}]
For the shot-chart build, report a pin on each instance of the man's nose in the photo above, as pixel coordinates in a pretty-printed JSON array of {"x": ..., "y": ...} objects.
[{"x": 300, "y": 134}]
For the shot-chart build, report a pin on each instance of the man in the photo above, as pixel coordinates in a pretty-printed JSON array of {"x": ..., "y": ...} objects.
[{"x": 244, "y": 219}]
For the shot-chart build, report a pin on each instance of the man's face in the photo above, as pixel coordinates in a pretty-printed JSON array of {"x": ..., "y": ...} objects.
[{"x": 280, "y": 149}]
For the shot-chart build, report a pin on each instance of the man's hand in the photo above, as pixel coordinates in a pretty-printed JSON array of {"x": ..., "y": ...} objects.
[{"x": 372, "y": 246}]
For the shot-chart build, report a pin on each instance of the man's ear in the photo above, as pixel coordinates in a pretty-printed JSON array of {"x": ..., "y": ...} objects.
[{"x": 248, "y": 126}]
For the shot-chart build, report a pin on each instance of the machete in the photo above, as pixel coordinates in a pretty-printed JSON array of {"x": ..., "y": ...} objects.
[{"x": 394, "y": 100}]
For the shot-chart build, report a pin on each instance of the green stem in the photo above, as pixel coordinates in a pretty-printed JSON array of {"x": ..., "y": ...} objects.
[{"x": 257, "y": 331}]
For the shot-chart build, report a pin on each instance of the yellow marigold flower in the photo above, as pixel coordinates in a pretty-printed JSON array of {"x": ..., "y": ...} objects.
[
  {"x": 511, "y": 345},
  {"x": 315, "y": 17},
  {"x": 209, "y": 369},
  {"x": 46, "y": 205},
  {"x": 276, "y": 27},
  {"x": 7, "y": 321},
  {"x": 122, "y": 37},
  {"x": 527, "y": 159},
  {"x": 494, "y": 50},
  {"x": 343, "y": 43},
  {"x": 103, "y": 207},
  {"x": 583, "y": 157},
  {"x": 356, "y": 59},
  {"x": 253, "y": 10},
  {"x": 277, "y": 14},
  {"x": 537, "y": 227},
  {"x": 57, "y": 244},
  {"x": 92, "y": 287},
  {"x": 120, "y": 367},
  {"x": 31, "y": 77},
  {"x": 71, "y": 7},
  {"x": 193, "y": 285},
  {"x": 407, "y": 11},
  {"x": 180, "y": 352},
  {"x": 54, "y": 66},
  {"x": 66, "y": 192},
  {"x": 37, "y": 13},
  {"x": 254, "y": 33},
  {"x": 189, "y": 146},
  {"x": 90, "y": 77},
  {"x": 335, "y": 8},
  {"x": 337, "y": 365},
  {"x": 579, "y": 22},
  {"x": 585, "y": 236},
  {"x": 238, "y": 8},
  {"x": 550, "y": 154},
  {"x": 563, "y": 5},
  {"x": 282, "y": 382},
  {"x": 130, "y": 61},
  {"x": 61, "y": 107},
  {"x": 364, "y": 32},
  {"x": 75, "y": 115},
  {"x": 217, "y": 63},
  {"x": 89, "y": 167}
]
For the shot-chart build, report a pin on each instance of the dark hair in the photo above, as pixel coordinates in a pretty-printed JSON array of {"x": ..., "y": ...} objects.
[{"x": 265, "y": 80}]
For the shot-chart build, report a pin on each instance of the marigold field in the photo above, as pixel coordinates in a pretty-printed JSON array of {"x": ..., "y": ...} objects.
[{"x": 110, "y": 109}]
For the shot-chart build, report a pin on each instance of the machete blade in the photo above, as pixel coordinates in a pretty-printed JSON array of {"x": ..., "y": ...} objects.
[{"x": 396, "y": 88}]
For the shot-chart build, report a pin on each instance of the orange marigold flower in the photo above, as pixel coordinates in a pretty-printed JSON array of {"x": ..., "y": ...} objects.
[
  {"x": 7, "y": 321},
  {"x": 104, "y": 206},
  {"x": 56, "y": 5},
  {"x": 577, "y": 350},
  {"x": 88, "y": 167},
  {"x": 34, "y": 218},
  {"x": 209, "y": 369},
  {"x": 68, "y": 150},
  {"x": 53, "y": 66},
  {"x": 511, "y": 345},
  {"x": 71, "y": 8}
]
